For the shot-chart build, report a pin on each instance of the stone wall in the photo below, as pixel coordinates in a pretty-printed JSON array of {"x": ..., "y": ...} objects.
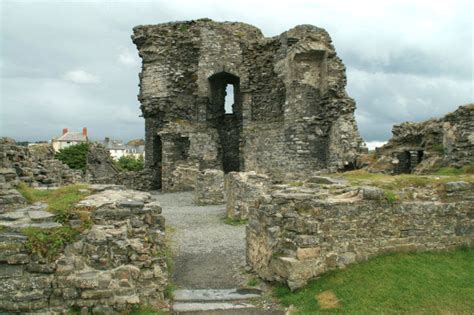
[
  {"x": 137, "y": 180},
  {"x": 99, "y": 163},
  {"x": 429, "y": 145},
  {"x": 291, "y": 112},
  {"x": 34, "y": 167},
  {"x": 209, "y": 188},
  {"x": 243, "y": 191},
  {"x": 297, "y": 232},
  {"x": 117, "y": 262}
]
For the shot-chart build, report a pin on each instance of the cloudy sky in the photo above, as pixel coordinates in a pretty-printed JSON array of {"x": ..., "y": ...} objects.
[{"x": 72, "y": 63}]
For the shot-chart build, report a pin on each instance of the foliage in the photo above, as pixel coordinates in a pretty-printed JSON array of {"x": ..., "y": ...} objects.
[
  {"x": 136, "y": 142},
  {"x": 74, "y": 156},
  {"x": 403, "y": 283},
  {"x": 235, "y": 222},
  {"x": 252, "y": 282},
  {"x": 130, "y": 163},
  {"x": 48, "y": 243},
  {"x": 391, "y": 197},
  {"x": 183, "y": 27},
  {"x": 438, "y": 148},
  {"x": 169, "y": 290}
]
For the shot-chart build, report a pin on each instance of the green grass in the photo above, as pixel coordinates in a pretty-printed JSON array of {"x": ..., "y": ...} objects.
[
  {"x": 295, "y": 184},
  {"x": 48, "y": 243},
  {"x": 398, "y": 183},
  {"x": 451, "y": 171},
  {"x": 235, "y": 222},
  {"x": 403, "y": 283},
  {"x": 167, "y": 254},
  {"x": 391, "y": 197},
  {"x": 60, "y": 201},
  {"x": 253, "y": 282}
]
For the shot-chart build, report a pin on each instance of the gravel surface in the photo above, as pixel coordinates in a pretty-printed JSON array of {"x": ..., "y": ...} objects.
[{"x": 207, "y": 252}]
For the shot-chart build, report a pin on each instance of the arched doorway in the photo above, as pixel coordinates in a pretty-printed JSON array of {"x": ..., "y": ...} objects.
[{"x": 226, "y": 119}]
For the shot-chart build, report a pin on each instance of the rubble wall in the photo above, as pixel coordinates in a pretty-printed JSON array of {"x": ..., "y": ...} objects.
[
  {"x": 116, "y": 262},
  {"x": 295, "y": 234},
  {"x": 36, "y": 167},
  {"x": 426, "y": 146}
]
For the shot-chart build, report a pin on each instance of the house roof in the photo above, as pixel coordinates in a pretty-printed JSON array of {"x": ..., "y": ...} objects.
[{"x": 72, "y": 136}]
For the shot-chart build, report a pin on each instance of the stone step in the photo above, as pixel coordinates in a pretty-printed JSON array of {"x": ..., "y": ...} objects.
[
  {"x": 218, "y": 302},
  {"x": 221, "y": 308},
  {"x": 208, "y": 295}
]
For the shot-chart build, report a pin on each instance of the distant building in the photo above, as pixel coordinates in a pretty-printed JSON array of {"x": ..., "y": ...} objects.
[
  {"x": 118, "y": 149},
  {"x": 69, "y": 138}
]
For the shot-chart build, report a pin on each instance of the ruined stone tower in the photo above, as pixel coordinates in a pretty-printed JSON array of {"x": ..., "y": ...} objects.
[{"x": 291, "y": 113}]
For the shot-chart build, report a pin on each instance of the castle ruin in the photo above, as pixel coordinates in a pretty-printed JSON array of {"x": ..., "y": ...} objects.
[{"x": 290, "y": 112}]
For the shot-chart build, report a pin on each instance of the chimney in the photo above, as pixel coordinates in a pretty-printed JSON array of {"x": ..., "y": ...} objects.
[
  {"x": 64, "y": 131},
  {"x": 84, "y": 132}
]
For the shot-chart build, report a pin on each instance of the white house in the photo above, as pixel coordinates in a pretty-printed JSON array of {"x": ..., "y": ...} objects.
[
  {"x": 118, "y": 149},
  {"x": 69, "y": 138}
]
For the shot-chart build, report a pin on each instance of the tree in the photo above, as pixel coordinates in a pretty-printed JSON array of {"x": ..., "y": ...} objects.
[
  {"x": 75, "y": 156},
  {"x": 131, "y": 163}
]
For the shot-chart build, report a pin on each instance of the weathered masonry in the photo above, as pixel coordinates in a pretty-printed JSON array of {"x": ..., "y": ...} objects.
[{"x": 290, "y": 111}]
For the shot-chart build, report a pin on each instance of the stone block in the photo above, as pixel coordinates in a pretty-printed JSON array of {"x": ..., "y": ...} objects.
[
  {"x": 307, "y": 253},
  {"x": 373, "y": 193}
]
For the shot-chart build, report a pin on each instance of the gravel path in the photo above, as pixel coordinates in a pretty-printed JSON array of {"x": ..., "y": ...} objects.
[{"x": 207, "y": 252}]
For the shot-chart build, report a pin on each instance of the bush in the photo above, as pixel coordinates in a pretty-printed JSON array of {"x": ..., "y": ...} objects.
[
  {"x": 74, "y": 156},
  {"x": 130, "y": 163}
]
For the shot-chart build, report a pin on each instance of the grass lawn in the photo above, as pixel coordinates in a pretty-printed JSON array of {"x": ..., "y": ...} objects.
[{"x": 402, "y": 283}]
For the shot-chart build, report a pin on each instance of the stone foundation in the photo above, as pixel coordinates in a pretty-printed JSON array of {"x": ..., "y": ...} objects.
[{"x": 117, "y": 262}]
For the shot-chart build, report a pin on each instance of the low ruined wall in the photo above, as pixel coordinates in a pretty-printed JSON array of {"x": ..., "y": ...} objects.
[
  {"x": 35, "y": 167},
  {"x": 209, "y": 188},
  {"x": 242, "y": 191},
  {"x": 137, "y": 180},
  {"x": 117, "y": 262},
  {"x": 297, "y": 233}
]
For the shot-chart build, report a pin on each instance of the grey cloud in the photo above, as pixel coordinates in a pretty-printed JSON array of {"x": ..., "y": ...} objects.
[{"x": 405, "y": 62}]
